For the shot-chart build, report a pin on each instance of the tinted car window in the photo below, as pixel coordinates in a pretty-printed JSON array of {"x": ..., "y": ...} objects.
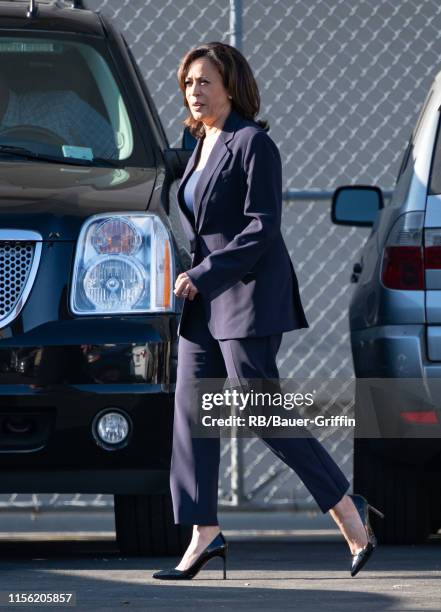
[
  {"x": 435, "y": 172},
  {"x": 404, "y": 160},
  {"x": 60, "y": 97}
]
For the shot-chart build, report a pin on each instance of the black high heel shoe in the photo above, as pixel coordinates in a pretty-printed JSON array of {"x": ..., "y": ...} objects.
[
  {"x": 217, "y": 548},
  {"x": 360, "y": 558}
]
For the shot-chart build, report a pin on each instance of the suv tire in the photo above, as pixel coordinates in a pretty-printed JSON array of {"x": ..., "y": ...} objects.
[
  {"x": 399, "y": 490},
  {"x": 144, "y": 525}
]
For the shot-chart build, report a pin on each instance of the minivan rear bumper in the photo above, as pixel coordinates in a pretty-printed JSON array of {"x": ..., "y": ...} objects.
[{"x": 398, "y": 352}]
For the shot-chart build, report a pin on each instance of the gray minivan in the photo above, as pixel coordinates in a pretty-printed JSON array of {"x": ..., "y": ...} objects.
[{"x": 395, "y": 323}]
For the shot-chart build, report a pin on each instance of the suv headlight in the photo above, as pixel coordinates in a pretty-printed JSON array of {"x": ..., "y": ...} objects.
[{"x": 123, "y": 264}]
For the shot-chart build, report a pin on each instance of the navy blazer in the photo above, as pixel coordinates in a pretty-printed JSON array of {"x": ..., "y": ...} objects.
[{"x": 240, "y": 265}]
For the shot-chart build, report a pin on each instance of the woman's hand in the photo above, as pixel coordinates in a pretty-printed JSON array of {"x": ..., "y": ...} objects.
[{"x": 184, "y": 287}]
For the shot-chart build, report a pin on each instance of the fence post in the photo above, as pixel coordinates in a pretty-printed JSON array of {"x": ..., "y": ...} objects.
[
  {"x": 236, "y": 24},
  {"x": 236, "y": 444}
]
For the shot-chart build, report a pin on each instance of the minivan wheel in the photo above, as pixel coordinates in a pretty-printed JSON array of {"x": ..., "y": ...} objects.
[
  {"x": 144, "y": 525},
  {"x": 399, "y": 490}
]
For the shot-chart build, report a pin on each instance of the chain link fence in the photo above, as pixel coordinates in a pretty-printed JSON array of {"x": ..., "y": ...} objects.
[{"x": 341, "y": 84}]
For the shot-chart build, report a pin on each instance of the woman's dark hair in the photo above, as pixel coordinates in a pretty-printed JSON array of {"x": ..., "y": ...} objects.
[{"x": 238, "y": 80}]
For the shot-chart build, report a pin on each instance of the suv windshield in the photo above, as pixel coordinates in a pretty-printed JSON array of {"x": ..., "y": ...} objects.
[{"x": 59, "y": 98}]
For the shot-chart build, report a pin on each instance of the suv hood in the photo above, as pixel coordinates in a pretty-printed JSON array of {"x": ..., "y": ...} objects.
[{"x": 52, "y": 198}]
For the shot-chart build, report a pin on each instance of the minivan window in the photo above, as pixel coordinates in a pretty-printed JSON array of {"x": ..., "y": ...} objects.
[
  {"x": 59, "y": 97},
  {"x": 435, "y": 170},
  {"x": 405, "y": 159},
  {"x": 416, "y": 130}
]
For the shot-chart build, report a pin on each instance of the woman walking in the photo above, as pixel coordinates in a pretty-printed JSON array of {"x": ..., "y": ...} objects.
[{"x": 241, "y": 294}]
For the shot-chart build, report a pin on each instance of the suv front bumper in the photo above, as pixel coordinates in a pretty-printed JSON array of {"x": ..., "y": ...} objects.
[{"x": 51, "y": 391}]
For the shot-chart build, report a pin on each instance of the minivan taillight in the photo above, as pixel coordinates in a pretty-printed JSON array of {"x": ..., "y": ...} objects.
[
  {"x": 432, "y": 248},
  {"x": 403, "y": 257},
  {"x": 403, "y": 268}
]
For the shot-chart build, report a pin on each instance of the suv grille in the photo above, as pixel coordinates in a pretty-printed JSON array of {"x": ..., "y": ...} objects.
[
  {"x": 15, "y": 264},
  {"x": 19, "y": 259}
]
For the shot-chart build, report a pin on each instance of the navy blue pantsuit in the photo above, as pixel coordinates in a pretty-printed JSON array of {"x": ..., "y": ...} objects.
[{"x": 247, "y": 297}]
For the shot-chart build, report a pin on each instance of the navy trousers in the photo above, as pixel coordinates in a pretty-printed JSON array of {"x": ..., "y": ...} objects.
[{"x": 195, "y": 461}]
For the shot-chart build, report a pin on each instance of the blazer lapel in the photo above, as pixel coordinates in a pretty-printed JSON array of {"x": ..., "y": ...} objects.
[
  {"x": 216, "y": 160},
  {"x": 208, "y": 175}
]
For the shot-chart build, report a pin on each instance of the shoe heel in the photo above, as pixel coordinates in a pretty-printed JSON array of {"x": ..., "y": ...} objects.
[
  {"x": 380, "y": 514},
  {"x": 224, "y": 558}
]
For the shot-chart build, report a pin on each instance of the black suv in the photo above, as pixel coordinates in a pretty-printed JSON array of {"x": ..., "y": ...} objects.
[{"x": 88, "y": 259}]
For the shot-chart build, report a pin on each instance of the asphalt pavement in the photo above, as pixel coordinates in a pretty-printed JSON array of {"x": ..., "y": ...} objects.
[{"x": 277, "y": 561}]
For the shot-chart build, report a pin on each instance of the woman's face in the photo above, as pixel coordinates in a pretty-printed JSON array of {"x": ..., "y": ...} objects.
[{"x": 206, "y": 95}]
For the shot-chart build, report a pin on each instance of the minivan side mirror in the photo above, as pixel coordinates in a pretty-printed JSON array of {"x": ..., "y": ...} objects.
[{"x": 356, "y": 205}]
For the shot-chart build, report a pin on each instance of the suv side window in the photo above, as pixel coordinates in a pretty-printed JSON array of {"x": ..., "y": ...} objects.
[
  {"x": 404, "y": 177},
  {"x": 407, "y": 156},
  {"x": 405, "y": 159},
  {"x": 435, "y": 178}
]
